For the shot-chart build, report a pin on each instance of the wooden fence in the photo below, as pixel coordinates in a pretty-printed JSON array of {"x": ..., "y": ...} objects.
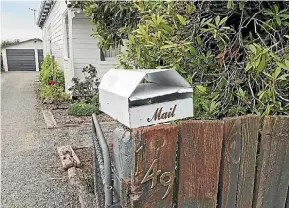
[{"x": 240, "y": 162}]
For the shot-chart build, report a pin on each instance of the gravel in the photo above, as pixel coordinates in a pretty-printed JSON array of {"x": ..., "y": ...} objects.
[{"x": 31, "y": 170}]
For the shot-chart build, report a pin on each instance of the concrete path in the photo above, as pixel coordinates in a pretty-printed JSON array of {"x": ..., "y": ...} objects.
[{"x": 31, "y": 174}]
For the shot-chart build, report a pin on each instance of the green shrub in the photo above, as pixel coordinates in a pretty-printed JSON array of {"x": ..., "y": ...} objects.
[
  {"x": 59, "y": 78},
  {"x": 53, "y": 94},
  {"x": 46, "y": 73},
  {"x": 95, "y": 100},
  {"x": 82, "y": 109},
  {"x": 234, "y": 53},
  {"x": 88, "y": 88}
]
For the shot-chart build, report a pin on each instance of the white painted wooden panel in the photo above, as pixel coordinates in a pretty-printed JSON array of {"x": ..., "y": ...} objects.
[
  {"x": 90, "y": 45},
  {"x": 86, "y": 31},
  {"x": 4, "y": 59},
  {"x": 80, "y": 35},
  {"x": 78, "y": 51},
  {"x": 54, "y": 20},
  {"x": 85, "y": 60},
  {"x": 85, "y": 48},
  {"x": 86, "y": 41}
]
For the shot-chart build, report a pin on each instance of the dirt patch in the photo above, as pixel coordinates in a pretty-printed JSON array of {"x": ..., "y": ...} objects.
[
  {"x": 63, "y": 119},
  {"x": 85, "y": 156},
  {"x": 53, "y": 106},
  {"x": 86, "y": 168}
]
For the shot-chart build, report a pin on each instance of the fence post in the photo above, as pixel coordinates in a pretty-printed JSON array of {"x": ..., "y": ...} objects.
[
  {"x": 200, "y": 155},
  {"x": 122, "y": 164},
  {"x": 273, "y": 164},
  {"x": 153, "y": 169}
]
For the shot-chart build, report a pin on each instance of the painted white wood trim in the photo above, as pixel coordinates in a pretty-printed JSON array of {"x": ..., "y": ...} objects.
[
  {"x": 70, "y": 16},
  {"x": 36, "y": 59},
  {"x": 64, "y": 35},
  {"x": 4, "y": 58}
]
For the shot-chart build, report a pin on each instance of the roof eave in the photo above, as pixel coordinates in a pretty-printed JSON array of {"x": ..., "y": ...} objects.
[{"x": 44, "y": 10}]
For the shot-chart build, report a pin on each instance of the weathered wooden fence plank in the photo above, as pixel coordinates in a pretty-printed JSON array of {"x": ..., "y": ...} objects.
[
  {"x": 249, "y": 146},
  {"x": 239, "y": 153},
  {"x": 230, "y": 164},
  {"x": 154, "y": 166},
  {"x": 200, "y": 155},
  {"x": 273, "y": 172}
]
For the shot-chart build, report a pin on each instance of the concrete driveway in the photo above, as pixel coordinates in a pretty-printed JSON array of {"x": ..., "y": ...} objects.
[{"x": 30, "y": 171}]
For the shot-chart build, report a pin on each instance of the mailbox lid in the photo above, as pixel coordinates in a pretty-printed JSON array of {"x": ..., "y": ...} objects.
[
  {"x": 151, "y": 90},
  {"x": 120, "y": 90},
  {"x": 124, "y": 82}
]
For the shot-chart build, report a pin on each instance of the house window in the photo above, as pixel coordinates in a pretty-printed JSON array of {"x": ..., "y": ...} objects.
[
  {"x": 67, "y": 37},
  {"x": 111, "y": 52}
]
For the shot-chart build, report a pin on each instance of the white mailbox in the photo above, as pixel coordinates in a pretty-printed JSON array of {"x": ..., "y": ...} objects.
[{"x": 146, "y": 96}]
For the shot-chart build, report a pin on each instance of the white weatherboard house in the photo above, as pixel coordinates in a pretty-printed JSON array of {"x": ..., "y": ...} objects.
[
  {"x": 66, "y": 34},
  {"x": 23, "y": 56}
]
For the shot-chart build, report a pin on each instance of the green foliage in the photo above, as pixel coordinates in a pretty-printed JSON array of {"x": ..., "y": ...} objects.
[
  {"x": 6, "y": 43},
  {"x": 82, "y": 109},
  {"x": 87, "y": 89},
  {"x": 95, "y": 100},
  {"x": 235, "y": 54},
  {"x": 46, "y": 73},
  {"x": 52, "y": 93},
  {"x": 113, "y": 20}
]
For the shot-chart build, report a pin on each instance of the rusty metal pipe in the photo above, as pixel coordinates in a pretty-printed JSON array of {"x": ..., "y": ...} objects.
[{"x": 108, "y": 189}]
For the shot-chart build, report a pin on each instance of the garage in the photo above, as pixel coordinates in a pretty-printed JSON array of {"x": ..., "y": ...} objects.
[
  {"x": 23, "y": 56},
  {"x": 21, "y": 59}
]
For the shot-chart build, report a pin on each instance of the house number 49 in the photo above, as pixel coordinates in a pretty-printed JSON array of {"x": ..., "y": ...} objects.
[{"x": 166, "y": 178}]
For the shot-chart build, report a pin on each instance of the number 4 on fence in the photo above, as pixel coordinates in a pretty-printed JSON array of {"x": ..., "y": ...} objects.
[{"x": 153, "y": 173}]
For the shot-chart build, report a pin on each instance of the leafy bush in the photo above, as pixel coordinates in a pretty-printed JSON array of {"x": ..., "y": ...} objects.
[
  {"x": 234, "y": 53},
  {"x": 82, "y": 109},
  {"x": 46, "y": 73},
  {"x": 95, "y": 99},
  {"x": 7, "y": 43},
  {"x": 87, "y": 89},
  {"x": 53, "y": 94},
  {"x": 113, "y": 20}
]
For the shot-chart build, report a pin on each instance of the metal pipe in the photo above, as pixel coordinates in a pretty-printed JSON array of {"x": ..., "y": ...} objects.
[{"x": 106, "y": 160}]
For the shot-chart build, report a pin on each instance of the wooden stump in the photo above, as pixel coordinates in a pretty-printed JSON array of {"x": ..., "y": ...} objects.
[{"x": 154, "y": 166}]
